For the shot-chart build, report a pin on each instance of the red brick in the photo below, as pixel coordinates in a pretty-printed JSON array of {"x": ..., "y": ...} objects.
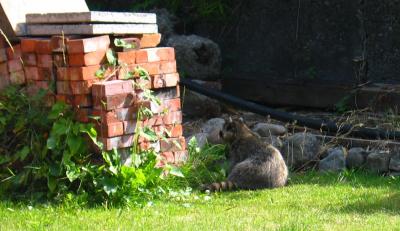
[
  {"x": 76, "y": 100},
  {"x": 44, "y": 60},
  {"x": 29, "y": 59},
  {"x": 46, "y": 73},
  {"x": 165, "y": 80},
  {"x": 112, "y": 102},
  {"x": 83, "y": 73},
  {"x": 127, "y": 57},
  {"x": 3, "y": 42},
  {"x": 167, "y": 157},
  {"x": 74, "y": 87},
  {"x": 14, "y": 53},
  {"x": 105, "y": 116},
  {"x": 88, "y": 59},
  {"x": 76, "y": 46},
  {"x": 154, "y": 68},
  {"x": 155, "y": 55},
  {"x": 166, "y": 119},
  {"x": 17, "y": 77},
  {"x": 31, "y": 73},
  {"x": 146, "y": 145},
  {"x": 3, "y": 55},
  {"x": 118, "y": 142},
  {"x": 15, "y": 65},
  {"x": 28, "y": 45},
  {"x": 148, "y": 40},
  {"x": 170, "y": 131},
  {"x": 4, "y": 69},
  {"x": 43, "y": 46},
  {"x": 169, "y": 105},
  {"x": 115, "y": 87},
  {"x": 110, "y": 129},
  {"x": 173, "y": 144},
  {"x": 33, "y": 87},
  {"x": 59, "y": 42},
  {"x": 83, "y": 114},
  {"x": 60, "y": 60}
]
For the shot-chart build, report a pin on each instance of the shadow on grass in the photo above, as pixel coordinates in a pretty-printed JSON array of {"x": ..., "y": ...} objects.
[{"x": 370, "y": 203}]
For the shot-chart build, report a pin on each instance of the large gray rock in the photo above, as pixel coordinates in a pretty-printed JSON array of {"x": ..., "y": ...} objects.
[
  {"x": 198, "y": 105},
  {"x": 300, "y": 150},
  {"x": 356, "y": 158},
  {"x": 334, "y": 162},
  {"x": 274, "y": 141},
  {"x": 378, "y": 162},
  {"x": 212, "y": 128},
  {"x": 394, "y": 163},
  {"x": 197, "y": 57},
  {"x": 267, "y": 129}
]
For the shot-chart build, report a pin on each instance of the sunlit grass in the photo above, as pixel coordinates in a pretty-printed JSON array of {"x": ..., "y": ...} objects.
[{"x": 349, "y": 201}]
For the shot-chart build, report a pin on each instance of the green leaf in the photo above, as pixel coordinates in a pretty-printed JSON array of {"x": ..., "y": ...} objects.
[
  {"x": 72, "y": 172},
  {"x": 51, "y": 143},
  {"x": 176, "y": 172},
  {"x": 23, "y": 153},
  {"x": 75, "y": 144},
  {"x": 51, "y": 183},
  {"x": 57, "y": 110},
  {"x": 112, "y": 60},
  {"x": 148, "y": 134},
  {"x": 109, "y": 186}
]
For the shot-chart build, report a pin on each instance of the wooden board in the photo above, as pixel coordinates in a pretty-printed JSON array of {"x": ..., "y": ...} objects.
[
  {"x": 90, "y": 29},
  {"x": 13, "y": 12},
  {"x": 91, "y": 17}
]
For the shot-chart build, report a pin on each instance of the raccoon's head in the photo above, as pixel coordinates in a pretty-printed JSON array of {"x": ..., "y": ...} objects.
[{"x": 231, "y": 130}]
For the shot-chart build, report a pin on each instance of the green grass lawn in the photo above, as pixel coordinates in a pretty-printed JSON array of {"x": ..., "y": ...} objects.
[{"x": 354, "y": 201}]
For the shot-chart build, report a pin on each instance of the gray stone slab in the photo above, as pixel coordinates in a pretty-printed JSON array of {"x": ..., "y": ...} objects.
[
  {"x": 90, "y": 29},
  {"x": 91, "y": 17},
  {"x": 12, "y": 12}
]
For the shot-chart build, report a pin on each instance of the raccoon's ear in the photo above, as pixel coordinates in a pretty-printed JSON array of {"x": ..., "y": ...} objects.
[
  {"x": 241, "y": 119},
  {"x": 230, "y": 119}
]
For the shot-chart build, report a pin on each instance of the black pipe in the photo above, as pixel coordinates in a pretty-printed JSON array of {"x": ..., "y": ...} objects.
[{"x": 329, "y": 127}]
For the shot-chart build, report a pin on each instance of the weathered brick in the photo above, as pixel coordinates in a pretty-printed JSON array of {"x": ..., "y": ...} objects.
[
  {"x": 167, "y": 157},
  {"x": 118, "y": 142},
  {"x": 31, "y": 73},
  {"x": 114, "y": 87},
  {"x": 43, "y": 46},
  {"x": 34, "y": 87},
  {"x": 60, "y": 59},
  {"x": 166, "y": 119},
  {"x": 105, "y": 116},
  {"x": 4, "y": 69},
  {"x": 154, "y": 68},
  {"x": 29, "y": 59},
  {"x": 169, "y": 105},
  {"x": 44, "y": 60},
  {"x": 173, "y": 144},
  {"x": 83, "y": 114},
  {"x": 127, "y": 57},
  {"x": 88, "y": 59},
  {"x": 83, "y": 73},
  {"x": 76, "y": 100},
  {"x": 110, "y": 129},
  {"x": 14, "y": 65},
  {"x": 155, "y": 54},
  {"x": 148, "y": 40},
  {"x": 59, "y": 42},
  {"x": 17, "y": 77},
  {"x": 165, "y": 80},
  {"x": 170, "y": 131},
  {"x": 74, "y": 87},
  {"x": 150, "y": 145},
  {"x": 46, "y": 73},
  {"x": 3, "y": 55},
  {"x": 78, "y": 46},
  {"x": 14, "y": 52},
  {"x": 112, "y": 102},
  {"x": 28, "y": 45}
]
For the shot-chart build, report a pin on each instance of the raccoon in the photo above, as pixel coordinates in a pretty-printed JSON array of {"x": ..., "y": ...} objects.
[{"x": 253, "y": 163}]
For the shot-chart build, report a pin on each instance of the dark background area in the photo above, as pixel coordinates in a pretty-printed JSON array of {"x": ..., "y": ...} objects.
[{"x": 331, "y": 41}]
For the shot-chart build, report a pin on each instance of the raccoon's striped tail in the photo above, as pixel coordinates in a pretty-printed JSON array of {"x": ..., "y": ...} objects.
[{"x": 220, "y": 186}]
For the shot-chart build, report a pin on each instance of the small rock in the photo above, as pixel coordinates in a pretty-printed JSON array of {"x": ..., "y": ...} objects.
[
  {"x": 394, "y": 163},
  {"x": 300, "y": 149},
  {"x": 356, "y": 158},
  {"x": 197, "y": 57},
  {"x": 378, "y": 162},
  {"x": 201, "y": 139},
  {"x": 267, "y": 129},
  {"x": 335, "y": 161},
  {"x": 212, "y": 128}
]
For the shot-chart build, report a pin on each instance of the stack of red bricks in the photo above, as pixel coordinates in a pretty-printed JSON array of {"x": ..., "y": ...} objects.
[
  {"x": 11, "y": 68},
  {"x": 117, "y": 102},
  {"x": 77, "y": 64},
  {"x": 38, "y": 67}
]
